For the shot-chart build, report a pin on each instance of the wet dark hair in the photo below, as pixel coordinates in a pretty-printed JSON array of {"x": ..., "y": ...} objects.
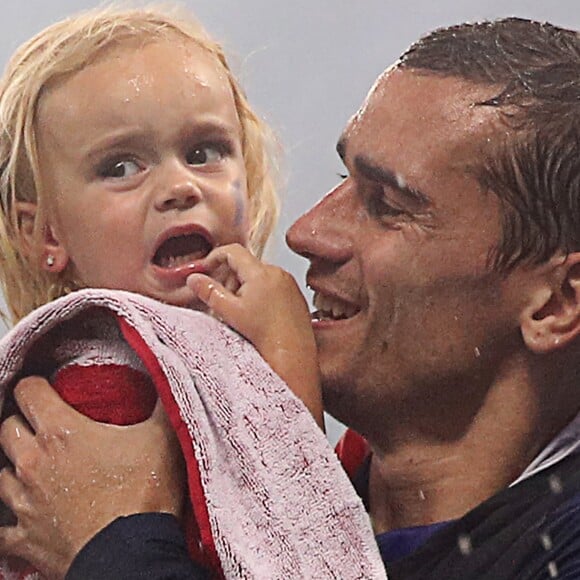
[{"x": 535, "y": 171}]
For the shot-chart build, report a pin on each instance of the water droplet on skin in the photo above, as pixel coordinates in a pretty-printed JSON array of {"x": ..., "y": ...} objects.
[
  {"x": 136, "y": 83},
  {"x": 546, "y": 541},
  {"x": 464, "y": 544},
  {"x": 421, "y": 495},
  {"x": 552, "y": 569},
  {"x": 477, "y": 352},
  {"x": 555, "y": 484},
  {"x": 18, "y": 434},
  {"x": 313, "y": 232}
]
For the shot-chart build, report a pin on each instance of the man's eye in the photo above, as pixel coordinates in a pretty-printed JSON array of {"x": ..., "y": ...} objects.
[
  {"x": 205, "y": 155},
  {"x": 380, "y": 207},
  {"x": 120, "y": 169}
]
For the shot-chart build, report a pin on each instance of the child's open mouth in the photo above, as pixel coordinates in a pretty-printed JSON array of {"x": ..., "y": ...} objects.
[{"x": 180, "y": 250}]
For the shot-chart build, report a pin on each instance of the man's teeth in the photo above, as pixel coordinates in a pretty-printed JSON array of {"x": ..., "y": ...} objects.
[{"x": 328, "y": 307}]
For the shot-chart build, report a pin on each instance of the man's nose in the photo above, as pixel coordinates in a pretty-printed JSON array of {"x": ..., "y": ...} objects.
[
  {"x": 178, "y": 189},
  {"x": 325, "y": 231}
]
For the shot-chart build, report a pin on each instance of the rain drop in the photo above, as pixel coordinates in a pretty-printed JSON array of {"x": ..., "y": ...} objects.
[
  {"x": 401, "y": 181},
  {"x": 546, "y": 541},
  {"x": 464, "y": 543},
  {"x": 555, "y": 484}
]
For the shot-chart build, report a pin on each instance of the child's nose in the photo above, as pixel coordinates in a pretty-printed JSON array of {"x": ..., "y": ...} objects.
[{"x": 182, "y": 193}]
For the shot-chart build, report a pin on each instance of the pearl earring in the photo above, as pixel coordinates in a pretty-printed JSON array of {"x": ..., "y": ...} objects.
[{"x": 50, "y": 260}]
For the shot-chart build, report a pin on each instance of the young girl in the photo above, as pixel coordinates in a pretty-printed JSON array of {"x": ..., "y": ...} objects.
[
  {"x": 130, "y": 160},
  {"x": 129, "y": 153}
]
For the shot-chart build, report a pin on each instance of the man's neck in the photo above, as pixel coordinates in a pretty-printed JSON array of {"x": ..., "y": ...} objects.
[{"x": 421, "y": 480}]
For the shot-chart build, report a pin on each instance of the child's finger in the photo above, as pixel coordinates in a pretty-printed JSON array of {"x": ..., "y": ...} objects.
[
  {"x": 238, "y": 260},
  {"x": 226, "y": 277},
  {"x": 222, "y": 303}
]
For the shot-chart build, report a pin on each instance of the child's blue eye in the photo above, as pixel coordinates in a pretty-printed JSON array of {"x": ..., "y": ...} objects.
[
  {"x": 121, "y": 169},
  {"x": 205, "y": 155}
]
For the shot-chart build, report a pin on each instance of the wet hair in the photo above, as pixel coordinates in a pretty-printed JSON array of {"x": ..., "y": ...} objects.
[
  {"x": 61, "y": 50},
  {"x": 535, "y": 170}
]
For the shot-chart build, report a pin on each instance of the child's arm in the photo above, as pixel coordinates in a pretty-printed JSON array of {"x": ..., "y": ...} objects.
[{"x": 263, "y": 303}]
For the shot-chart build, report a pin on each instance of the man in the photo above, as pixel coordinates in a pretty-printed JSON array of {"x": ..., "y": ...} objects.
[{"x": 446, "y": 273}]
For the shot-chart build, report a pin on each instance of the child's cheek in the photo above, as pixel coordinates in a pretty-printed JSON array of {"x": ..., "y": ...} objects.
[{"x": 240, "y": 199}]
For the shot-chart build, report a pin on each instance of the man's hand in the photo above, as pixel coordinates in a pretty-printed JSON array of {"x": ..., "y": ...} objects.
[
  {"x": 264, "y": 304},
  {"x": 73, "y": 476}
]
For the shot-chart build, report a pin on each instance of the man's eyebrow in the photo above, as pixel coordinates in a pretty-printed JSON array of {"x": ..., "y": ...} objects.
[{"x": 390, "y": 178}]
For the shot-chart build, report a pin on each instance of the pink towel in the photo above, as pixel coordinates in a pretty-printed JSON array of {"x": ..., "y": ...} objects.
[{"x": 268, "y": 493}]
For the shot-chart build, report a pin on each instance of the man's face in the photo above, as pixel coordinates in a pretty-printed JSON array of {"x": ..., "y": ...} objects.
[{"x": 409, "y": 315}]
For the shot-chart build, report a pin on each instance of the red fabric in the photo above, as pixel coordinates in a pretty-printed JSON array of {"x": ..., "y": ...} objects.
[
  {"x": 108, "y": 393},
  {"x": 352, "y": 449},
  {"x": 198, "y": 531}
]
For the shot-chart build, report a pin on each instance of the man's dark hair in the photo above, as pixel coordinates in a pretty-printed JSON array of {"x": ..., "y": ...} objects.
[{"x": 536, "y": 171}]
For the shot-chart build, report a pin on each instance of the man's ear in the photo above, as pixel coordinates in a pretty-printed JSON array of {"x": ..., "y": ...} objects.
[
  {"x": 42, "y": 247},
  {"x": 552, "y": 317}
]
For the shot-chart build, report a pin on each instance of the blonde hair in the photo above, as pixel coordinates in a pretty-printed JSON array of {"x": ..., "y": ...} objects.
[{"x": 63, "y": 49}]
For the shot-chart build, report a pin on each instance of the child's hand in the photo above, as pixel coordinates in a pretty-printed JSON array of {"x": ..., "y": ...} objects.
[{"x": 263, "y": 303}]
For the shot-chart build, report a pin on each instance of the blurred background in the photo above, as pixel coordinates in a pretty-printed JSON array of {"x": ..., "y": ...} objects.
[{"x": 306, "y": 66}]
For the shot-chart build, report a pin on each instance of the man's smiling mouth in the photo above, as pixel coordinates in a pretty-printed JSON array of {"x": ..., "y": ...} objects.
[
  {"x": 181, "y": 250},
  {"x": 330, "y": 308}
]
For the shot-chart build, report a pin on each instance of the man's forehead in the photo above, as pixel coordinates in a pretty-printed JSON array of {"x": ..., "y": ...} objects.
[
  {"x": 379, "y": 81},
  {"x": 413, "y": 100}
]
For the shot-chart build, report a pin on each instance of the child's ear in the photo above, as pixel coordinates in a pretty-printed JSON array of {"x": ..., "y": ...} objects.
[
  {"x": 43, "y": 246},
  {"x": 552, "y": 318}
]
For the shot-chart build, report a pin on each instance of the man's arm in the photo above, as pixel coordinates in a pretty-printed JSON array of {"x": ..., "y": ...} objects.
[
  {"x": 72, "y": 477},
  {"x": 135, "y": 547}
]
